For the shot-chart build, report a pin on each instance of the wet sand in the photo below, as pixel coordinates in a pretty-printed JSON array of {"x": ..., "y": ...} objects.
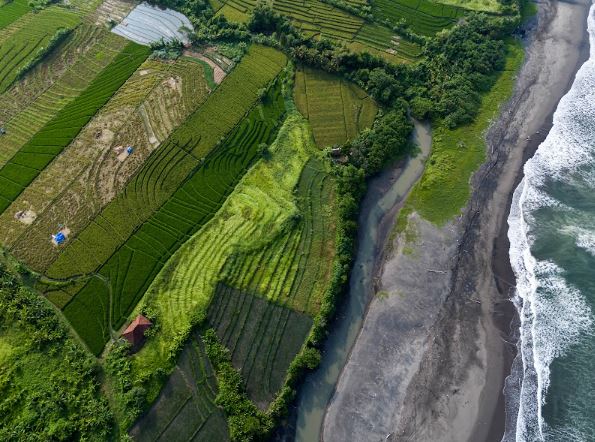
[{"x": 430, "y": 360}]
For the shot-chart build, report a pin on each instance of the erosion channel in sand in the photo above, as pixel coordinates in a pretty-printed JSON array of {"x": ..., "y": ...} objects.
[{"x": 385, "y": 196}]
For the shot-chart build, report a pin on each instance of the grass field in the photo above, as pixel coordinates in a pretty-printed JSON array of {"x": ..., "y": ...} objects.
[
  {"x": 381, "y": 41},
  {"x": 263, "y": 338},
  {"x": 132, "y": 268},
  {"x": 492, "y": 6},
  {"x": 33, "y": 157},
  {"x": 444, "y": 188},
  {"x": 185, "y": 409},
  {"x": 337, "y": 110},
  {"x": 143, "y": 113},
  {"x": 13, "y": 10},
  {"x": 423, "y": 16},
  {"x": 27, "y": 37}
]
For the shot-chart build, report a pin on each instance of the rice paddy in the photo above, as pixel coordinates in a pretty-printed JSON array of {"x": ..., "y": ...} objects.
[{"x": 337, "y": 110}]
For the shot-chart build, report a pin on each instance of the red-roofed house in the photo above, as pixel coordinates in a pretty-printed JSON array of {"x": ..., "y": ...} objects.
[{"x": 135, "y": 332}]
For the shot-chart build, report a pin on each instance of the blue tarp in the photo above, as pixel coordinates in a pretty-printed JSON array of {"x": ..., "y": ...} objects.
[
  {"x": 129, "y": 150},
  {"x": 59, "y": 238}
]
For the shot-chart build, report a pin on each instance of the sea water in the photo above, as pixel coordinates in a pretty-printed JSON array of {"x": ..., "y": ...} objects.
[{"x": 552, "y": 251}]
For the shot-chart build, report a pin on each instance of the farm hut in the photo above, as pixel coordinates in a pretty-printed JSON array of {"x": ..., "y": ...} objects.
[{"x": 135, "y": 332}]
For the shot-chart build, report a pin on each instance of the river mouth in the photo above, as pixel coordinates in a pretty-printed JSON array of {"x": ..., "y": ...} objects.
[{"x": 385, "y": 196}]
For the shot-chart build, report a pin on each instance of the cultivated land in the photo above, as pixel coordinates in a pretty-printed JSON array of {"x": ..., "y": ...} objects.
[
  {"x": 337, "y": 110},
  {"x": 201, "y": 192}
]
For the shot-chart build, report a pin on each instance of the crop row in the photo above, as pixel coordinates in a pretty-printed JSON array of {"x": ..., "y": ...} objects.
[
  {"x": 337, "y": 110},
  {"x": 29, "y": 104},
  {"x": 383, "y": 39},
  {"x": 263, "y": 338},
  {"x": 424, "y": 17},
  {"x": 9, "y": 12},
  {"x": 132, "y": 268},
  {"x": 22, "y": 46},
  {"x": 49, "y": 142},
  {"x": 171, "y": 164},
  {"x": 95, "y": 170},
  {"x": 185, "y": 409}
]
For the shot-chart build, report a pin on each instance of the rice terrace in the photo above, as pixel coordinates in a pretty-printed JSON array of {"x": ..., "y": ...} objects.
[{"x": 180, "y": 189}]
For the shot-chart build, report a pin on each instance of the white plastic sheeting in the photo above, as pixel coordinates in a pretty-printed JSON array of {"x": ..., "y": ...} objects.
[{"x": 147, "y": 24}]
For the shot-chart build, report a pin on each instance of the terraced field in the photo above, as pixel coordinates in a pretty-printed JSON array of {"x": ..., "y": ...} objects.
[
  {"x": 185, "y": 409},
  {"x": 424, "y": 16},
  {"x": 142, "y": 114},
  {"x": 39, "y": 151},
  {"x": 12, "y": 10},
  {"x": 139, "y": 258},
  {"x": 316, "y": 18},
  {"x": 337, "y": 110},
  {"x": 288, "y": 198},
  {"x": 28, "y": 36},
  {"x": 263, "y": 338}
]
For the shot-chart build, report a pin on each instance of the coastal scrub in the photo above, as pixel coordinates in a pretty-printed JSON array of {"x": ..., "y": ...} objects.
[{"x": 444, "y": 188}]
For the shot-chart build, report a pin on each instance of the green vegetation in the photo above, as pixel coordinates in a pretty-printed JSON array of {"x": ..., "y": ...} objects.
[
  {"x": 337, "y": 110},
  {"x": 185, "y": 409},
  {"x": 423, "y": 16},
  {"x": 169, "y": 166},
  {"x": 263, "y": 339},
  {"x": 132, "y": 268},
  {"x": 444, "y": 188},
  {"x": 48, "y": 383},
  {"x": 493, "y": 6},
  {"x": 12, "y": 10},
  {"x": 42, "y": 52},
  {"x": 32, "y": 158},
  {"x": 27, "y": 106},
  {"x": 26, "y": 39}
]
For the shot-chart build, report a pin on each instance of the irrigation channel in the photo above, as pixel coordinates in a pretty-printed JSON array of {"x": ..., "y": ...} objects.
[{"x": 384, "y": 198}]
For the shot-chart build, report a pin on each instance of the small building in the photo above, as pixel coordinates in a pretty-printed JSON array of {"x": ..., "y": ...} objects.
[
  {"x": 135, "y": 332},
  {"x": 59, "y": 238}
]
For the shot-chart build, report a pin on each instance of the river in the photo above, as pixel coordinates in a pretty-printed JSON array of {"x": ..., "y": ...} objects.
[{"x": 383, "y": 199}]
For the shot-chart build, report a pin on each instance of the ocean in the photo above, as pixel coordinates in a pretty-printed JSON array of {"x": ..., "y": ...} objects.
[{"x": 551, "y": 390}]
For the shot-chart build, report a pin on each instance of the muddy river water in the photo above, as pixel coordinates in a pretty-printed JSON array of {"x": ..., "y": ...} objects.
[{"x": 383, "y": 200}]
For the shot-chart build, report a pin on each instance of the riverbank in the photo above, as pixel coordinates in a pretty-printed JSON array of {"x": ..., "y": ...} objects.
[{"x": 432, "y": 355}]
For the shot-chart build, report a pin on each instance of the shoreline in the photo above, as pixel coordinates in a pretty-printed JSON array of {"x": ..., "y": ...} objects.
[
  {"x": 485, "y": 268},
  {"x": 501, "y": 266},
  {"x": 431, "y": 360}
]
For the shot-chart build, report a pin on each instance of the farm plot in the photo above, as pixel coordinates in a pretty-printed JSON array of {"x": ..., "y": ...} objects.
[
  {"x": 142, "y": 114},
  {"x": 424, "y": 16},
  {"x": 185, "y": 409},
  {"x": 263, "y": 339},
  {"x": 134, "y": 265},
  {"x": 168, "y": 167},
  {"x": 260, "y": 213},
  {"x": 25, "y": 39},
  {"x": 312, "y": 16},
  {"x": 34, "y": 156},
  {"x": 12, "y": 10},
  {"x": 33, "y": 102},
  {"x": 148, "y": 24},
  {"x": 383, "y": 41},
  {"x": 110, "y": 12},
  {"x": 336, "y": 109}
]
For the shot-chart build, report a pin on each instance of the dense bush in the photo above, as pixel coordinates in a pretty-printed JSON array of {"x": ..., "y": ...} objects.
[{"x": 64, "y": 404}]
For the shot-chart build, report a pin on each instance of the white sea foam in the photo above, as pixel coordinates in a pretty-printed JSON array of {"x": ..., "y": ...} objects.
[{"x": 554, "y": 315}]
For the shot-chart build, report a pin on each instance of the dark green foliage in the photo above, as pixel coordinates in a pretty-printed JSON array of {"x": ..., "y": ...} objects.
[
  {"x": 265, "y": 20},
  {"x": 34, "y": 156},
  {"x": 48, "y": 388},
  {"x": 246, "y": 422},
  {"x": 386, "y": 141}
]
